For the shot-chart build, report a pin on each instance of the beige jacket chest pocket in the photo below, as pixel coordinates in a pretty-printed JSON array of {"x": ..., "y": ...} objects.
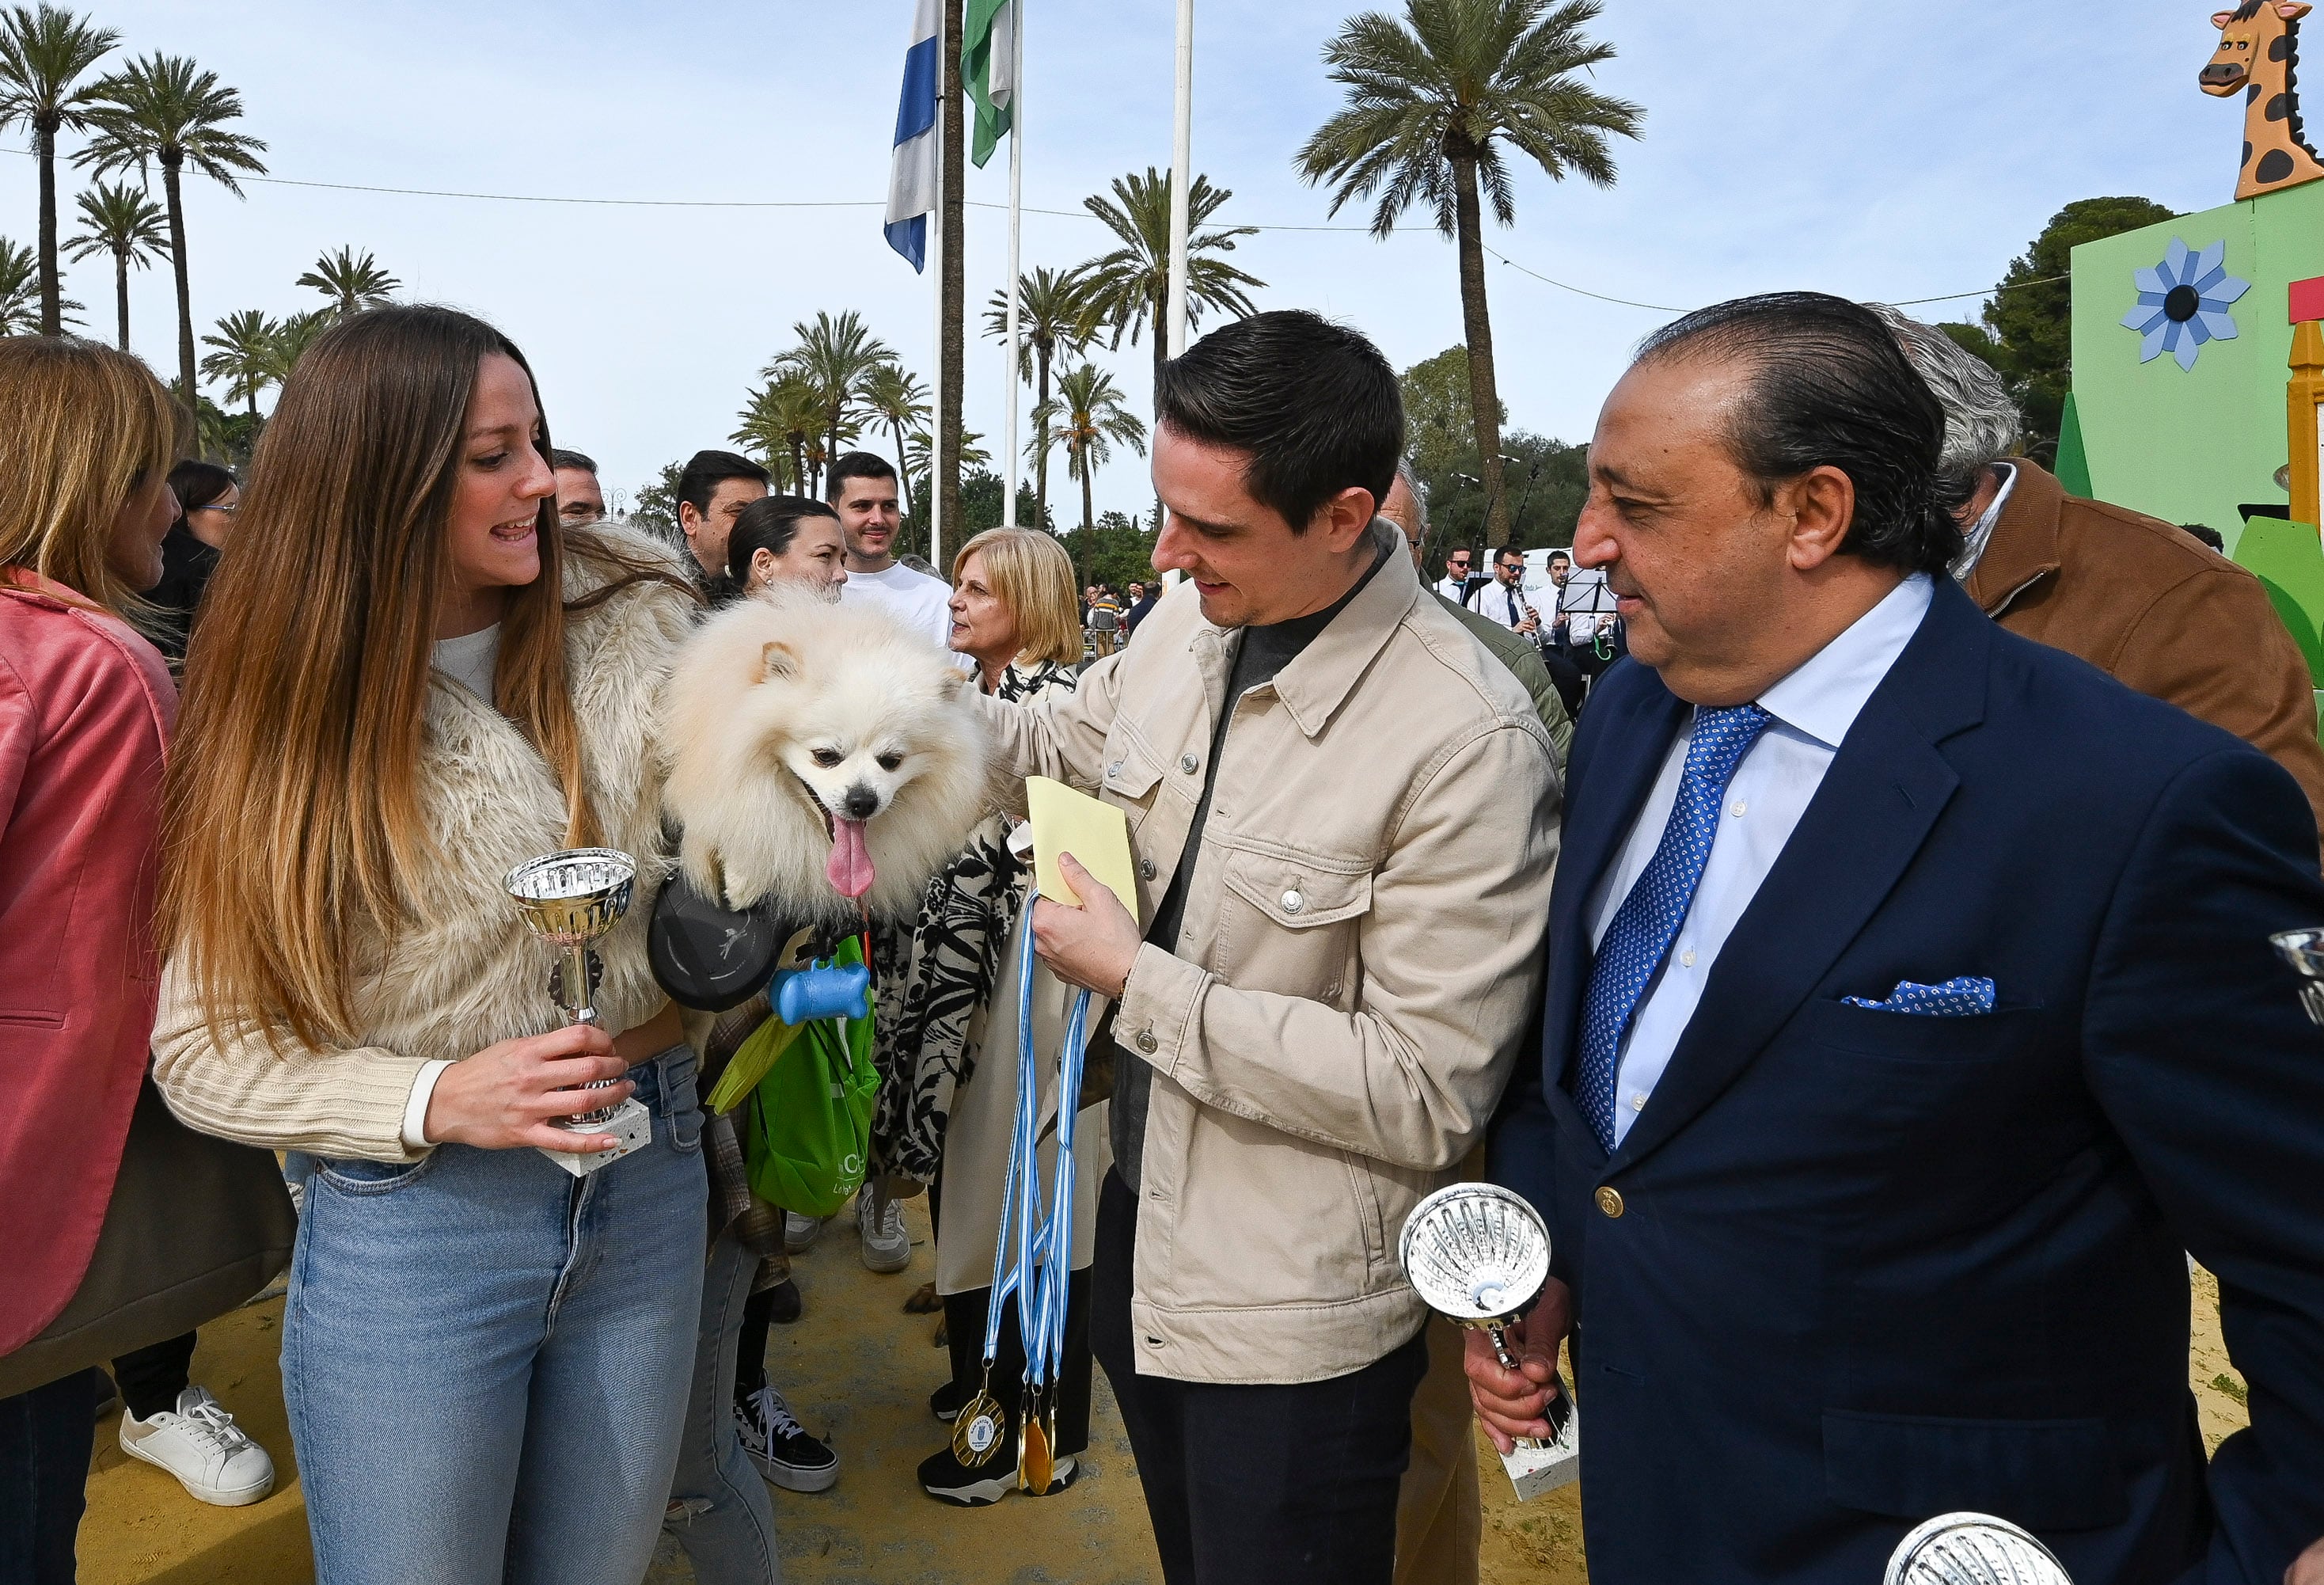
[{"x": 1291, "y": 923}]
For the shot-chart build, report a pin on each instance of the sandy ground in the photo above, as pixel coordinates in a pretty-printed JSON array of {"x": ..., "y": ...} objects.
[{"x": 858, "y": 1369}]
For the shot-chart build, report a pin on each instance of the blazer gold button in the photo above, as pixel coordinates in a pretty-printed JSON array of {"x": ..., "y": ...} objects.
[
  {"x": 1610, "y": 1199},
  {"x": 1146, "y": 869},
  {"x": 1293, "y": 902},
  {"x": 1187, "y": 762},
  {"x": 1147, "y": 1043}
]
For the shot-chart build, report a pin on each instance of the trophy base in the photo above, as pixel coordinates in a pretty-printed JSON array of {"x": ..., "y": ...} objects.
[
  {"x": 1535, "y": 1466},
  {"x": 631, "y": 1124}
]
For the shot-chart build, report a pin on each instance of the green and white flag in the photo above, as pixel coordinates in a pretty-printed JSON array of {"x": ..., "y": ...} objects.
[{"x": 988, "y": 70}]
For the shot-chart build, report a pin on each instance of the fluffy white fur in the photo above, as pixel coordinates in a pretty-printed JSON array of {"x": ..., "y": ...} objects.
[{"x": 782, "y": 708}]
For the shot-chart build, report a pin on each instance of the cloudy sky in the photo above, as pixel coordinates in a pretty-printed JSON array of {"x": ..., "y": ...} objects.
[{"x": 1876, "y": 149}]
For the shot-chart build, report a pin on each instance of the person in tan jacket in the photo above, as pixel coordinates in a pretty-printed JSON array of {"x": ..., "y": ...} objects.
[
  {"x": 2139, "y": 599},
  {"x": 1342, "y": 812}
]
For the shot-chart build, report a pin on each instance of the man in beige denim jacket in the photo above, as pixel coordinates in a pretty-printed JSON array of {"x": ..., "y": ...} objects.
[{"x": 1324, "y": 988}]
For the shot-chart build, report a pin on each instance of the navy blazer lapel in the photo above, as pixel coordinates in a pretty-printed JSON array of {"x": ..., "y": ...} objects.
[
  {"x": 1884, "y": 790},
  {"x": 1631, "y": 728}
]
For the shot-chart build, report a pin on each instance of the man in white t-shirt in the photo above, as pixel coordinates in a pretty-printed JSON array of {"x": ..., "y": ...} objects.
[{"x": 862, "y": 489}]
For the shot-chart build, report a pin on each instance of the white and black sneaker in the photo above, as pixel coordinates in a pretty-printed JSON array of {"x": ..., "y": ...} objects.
[
  {"x": 946, "y": 1478},
  {"x": 800, "y": 1233},
  {"x": 776, "y": 1441},
  {"x": 200, "y": 1443}
]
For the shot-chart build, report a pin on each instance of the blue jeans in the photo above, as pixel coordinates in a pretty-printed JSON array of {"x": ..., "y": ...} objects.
[
  {"x": 486, "y": 1358},
  {"x": 719, "y": 1510}
]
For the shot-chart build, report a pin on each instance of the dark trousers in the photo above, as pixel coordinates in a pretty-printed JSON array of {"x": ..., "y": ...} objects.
[
  {"x": 1261, "y": 1485},
  {"x": 46, "y": 1435},
  {"x": 964, "y": 1333},
  {"x": 151, "y": 1378}
]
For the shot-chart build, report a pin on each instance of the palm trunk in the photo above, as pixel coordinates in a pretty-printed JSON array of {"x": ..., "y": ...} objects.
[
  {"x": 950, "y": 354},
  {"x": 1041, "y": 457},
  {"x": 1483, "y": 397},
  {"x": 52, "y": 309},
  {"x": 903, "y": 467},
  {"x": 1087, "y": 520},
  {"x": 831, "y": 442},
  {"x": 174, "y": 199},
  {"x": 121, "y": 294}
]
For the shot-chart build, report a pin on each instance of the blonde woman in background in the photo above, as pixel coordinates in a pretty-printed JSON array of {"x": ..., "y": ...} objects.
[
  {"x": 949, "y": 1033},
  {"x": 85, "y": 707},
  {"x": 406, "y": 681}
]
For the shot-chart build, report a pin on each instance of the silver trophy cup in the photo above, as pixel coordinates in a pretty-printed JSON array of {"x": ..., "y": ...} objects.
[
  {"x": 1972, "y": 1549},
  {"x": 1479, "y": 1255},
  {"x": 2304, "y": 951},
  {"x": 569, "y": 900}
]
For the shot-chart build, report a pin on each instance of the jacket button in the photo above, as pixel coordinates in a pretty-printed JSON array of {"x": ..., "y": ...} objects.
[
  {"x": 1187, "y": 762},
  {"x": 1146, "y": 869},
  {"x": 1147, "y": 1043},
  {"x": 1610, "y": 1199},
  {"x": 1113, "y": 771},
  {"x": 1293, "y": 902}
]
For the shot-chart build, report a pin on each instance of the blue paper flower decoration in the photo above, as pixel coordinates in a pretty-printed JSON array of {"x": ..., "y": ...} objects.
[{"x": 2182, "y": 303}]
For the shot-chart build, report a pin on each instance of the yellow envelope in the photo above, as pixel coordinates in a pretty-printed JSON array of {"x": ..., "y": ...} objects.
[{"x": 1097, "y": 834}]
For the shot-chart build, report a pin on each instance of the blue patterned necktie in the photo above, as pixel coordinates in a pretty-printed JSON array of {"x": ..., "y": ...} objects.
[{"x": 1649, "y": 918}]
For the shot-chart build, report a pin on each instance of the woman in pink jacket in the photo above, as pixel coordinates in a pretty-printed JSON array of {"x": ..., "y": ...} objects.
[{"x": 86, "y": 707}]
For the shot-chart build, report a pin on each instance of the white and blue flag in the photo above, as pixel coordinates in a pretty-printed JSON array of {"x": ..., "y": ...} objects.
[{"x": 914, "y": 179}]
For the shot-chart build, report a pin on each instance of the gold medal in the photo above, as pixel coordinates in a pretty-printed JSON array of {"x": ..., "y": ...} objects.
[
  {"x": 1035, "y": 1466},
  {"x": 977, "y": 1433}
]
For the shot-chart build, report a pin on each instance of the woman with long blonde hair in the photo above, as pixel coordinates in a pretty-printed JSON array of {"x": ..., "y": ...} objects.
[
  {"x": 84, "y": 711},
  {"x": 408, "y": 680}
]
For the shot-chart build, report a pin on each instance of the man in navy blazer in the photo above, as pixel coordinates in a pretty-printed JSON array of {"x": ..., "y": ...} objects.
[{"x": 1910, "y": 1011}]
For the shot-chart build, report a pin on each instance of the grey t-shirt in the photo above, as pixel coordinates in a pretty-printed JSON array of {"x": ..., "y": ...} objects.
[{"x": 1260, "y": 653}]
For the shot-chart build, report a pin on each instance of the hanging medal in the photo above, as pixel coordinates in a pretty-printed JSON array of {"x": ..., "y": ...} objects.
[{"x": 1038, "y": 1275}]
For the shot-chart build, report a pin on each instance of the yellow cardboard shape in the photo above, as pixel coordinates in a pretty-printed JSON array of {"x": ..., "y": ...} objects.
[{"x": 1096, "y": 834}]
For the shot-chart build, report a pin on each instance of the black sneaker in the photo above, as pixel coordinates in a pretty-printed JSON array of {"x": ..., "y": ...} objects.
[
  {"x": 780, "y": 1447},
  {"x": 783, "y": 1303},
  {"x": 947, "y": 1401},
  {"x": 947, "y": 1479}
]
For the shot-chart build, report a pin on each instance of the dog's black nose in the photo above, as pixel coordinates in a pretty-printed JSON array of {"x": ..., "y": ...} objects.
[{"x": 860, "y": 802}]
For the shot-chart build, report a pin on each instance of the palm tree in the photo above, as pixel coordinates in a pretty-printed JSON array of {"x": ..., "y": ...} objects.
[
  {"x": 1430, "y": 101},
  {"x": 165, "y": 108},
  {"x": 916, "y": 452},
  {"x": 1052, "y": 322},
  {"x": 244, "y": 358},
  {"x": 43, "y": 53},
  {"x": 127, "y": 222},
  {"x": 351, "y": 283},
  {"x": 20, "y": 289},
  {"x": 898, "y": 399},
  {"x": 837, "y": 357},
  {"x": 1086, "y": 416},
  {"x": 1129, "y": 289},
  {"x": 782, "y": 424},
  {"x": 290, "y": 340}
]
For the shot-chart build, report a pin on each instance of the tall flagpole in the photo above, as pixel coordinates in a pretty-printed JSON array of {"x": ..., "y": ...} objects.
[
  {"x": 1182, "y": 160},
  {"x": 935, "y": 388},
  {"x": 1015, "y": 222}
]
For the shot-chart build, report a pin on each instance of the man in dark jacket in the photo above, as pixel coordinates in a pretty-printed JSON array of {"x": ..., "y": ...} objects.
[{"x": 1911, "y": 1014}]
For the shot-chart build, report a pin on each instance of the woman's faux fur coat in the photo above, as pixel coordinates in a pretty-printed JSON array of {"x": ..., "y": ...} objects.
[{"x": 462, "y": 973}]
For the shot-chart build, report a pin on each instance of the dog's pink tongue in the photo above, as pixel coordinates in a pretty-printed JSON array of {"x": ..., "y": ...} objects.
[{"x": 850, "y": 868}]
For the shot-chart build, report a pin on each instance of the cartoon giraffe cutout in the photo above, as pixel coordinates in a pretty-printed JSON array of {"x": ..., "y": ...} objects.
[{"x": 2259, "y": 52}]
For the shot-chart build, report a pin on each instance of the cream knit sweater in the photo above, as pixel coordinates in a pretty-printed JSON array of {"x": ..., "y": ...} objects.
[{"x": 462, "y": 973}]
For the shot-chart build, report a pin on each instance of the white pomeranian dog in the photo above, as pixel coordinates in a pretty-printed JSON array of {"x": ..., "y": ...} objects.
[{"x": 820, "y": 754}]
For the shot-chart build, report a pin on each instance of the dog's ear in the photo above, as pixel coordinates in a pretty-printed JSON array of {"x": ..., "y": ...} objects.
[{"x": 777, "y": 659}]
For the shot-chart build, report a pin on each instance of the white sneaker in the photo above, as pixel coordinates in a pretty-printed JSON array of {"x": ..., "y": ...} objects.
[
  {"x": 887, "y": 1246},
  {"x": 800, "y": 1233},
  {"x": 202, "y": 1446}
]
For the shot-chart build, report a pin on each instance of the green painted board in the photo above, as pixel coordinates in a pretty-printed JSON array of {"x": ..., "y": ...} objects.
[
  {"x": 2288, "y": 558},
  {"x": 2191, "y": 446},
  {"x": 2073, "y": 468}
]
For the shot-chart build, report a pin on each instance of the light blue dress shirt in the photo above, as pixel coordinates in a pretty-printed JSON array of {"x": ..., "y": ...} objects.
[{"x": 1813, "y": 707}]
